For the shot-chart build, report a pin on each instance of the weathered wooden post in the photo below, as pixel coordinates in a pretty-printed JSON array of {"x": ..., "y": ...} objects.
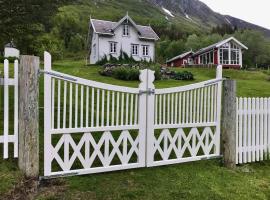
[
  {"x": 228, "y": 126},
  {"x": 29, "y": 116}
]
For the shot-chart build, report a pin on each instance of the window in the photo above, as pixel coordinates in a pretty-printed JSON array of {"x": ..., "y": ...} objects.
[
  {"x": 229, "y": 54},
  {"x": 224, "y": 54},
  {"x": 135, "y": 49},
  {"x": 126, "y": 30},
  {"x": 94, "y": 50},
  {"x": 113, "y": 47},
  {"x": 145, "y": 50}
]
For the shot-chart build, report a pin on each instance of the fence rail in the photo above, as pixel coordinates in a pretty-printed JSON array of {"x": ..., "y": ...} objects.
[
  {"x": 253, "y": 130},
  {"x": 7, "y": 106}
]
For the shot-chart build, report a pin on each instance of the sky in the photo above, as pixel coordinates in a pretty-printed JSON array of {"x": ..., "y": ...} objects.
[{"x": 256, "y": 12}]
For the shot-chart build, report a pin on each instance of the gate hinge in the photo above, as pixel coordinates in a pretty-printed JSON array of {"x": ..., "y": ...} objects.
[{"x": 148, "y": 91}]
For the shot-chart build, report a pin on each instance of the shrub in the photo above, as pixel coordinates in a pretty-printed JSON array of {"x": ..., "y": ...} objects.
[
  {"x": 185, "y": 75},
  {"x": 10, "y": 59},
  {"x": 126, "y": 73}
]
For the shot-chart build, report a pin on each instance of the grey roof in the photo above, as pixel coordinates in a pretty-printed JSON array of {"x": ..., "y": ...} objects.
[
  {"x": 107, "y": 28},
  {"x": 180, "y": 56},
  {"x": 10, "y": 45},
  {"x": 218, "y": 44}
]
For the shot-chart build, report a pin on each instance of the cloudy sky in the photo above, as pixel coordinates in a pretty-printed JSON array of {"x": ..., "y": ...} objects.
[{"x": 257, "y": 12}]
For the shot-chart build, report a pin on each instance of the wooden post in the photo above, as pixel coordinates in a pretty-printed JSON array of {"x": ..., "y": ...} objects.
[
  {"x": 29, "y": 116},
  {"x": 228, "y": 126}
]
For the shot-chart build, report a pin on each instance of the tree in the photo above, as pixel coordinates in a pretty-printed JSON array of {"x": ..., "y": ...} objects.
[{"x": 25, "y": 20}]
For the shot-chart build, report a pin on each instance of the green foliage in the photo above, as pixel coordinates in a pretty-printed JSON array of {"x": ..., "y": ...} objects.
[
  {"x": 50, "y": 43},
  {"x": 126, "y": 73},
  {"x": 185, "y": 75},
  {"x": 10, "y": 59}
]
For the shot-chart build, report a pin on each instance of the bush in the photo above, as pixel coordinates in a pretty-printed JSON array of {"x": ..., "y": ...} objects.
[
  {"x": 185, "y": 75},
  {"x": 126, "y": 73},
  {"x": 10, "y": 59}
]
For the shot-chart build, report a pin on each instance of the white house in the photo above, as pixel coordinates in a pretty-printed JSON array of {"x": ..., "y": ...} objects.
[
  {"x": 11, "y": 51},
  {"x": 110, "y": 38}
]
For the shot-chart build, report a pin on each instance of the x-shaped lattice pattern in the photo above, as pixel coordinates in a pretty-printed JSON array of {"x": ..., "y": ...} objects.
[
  {"x": 180, "y": 142},
  {"x": 105, "y": 149}
]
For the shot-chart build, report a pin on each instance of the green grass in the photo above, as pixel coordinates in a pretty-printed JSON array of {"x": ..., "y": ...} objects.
[{"x": 195, "y": 180}]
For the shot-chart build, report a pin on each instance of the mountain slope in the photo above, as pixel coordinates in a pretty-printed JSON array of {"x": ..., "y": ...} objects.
[{"x": 198, "y": 12}]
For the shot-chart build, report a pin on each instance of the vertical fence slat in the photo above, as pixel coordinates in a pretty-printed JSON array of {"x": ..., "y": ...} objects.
[
  {"x": 245, "y": 131},
  {"x": 131, "y": 109},
  {"x": 53, "y": 101},
  {"x": 82, "y": 102},
  {"x": 70, "y": 105},
  {"x": 122, "y": 109},
  {"x": 16, "y": 108},
  {"x": 65, "y": 105},
  {"x": 127, "y": 108},
  {"x": 249, "y": 130},
  {"x": 265, "y": 128},
  {"x": 6, "y": 108},
  {"x": 97, "y": 106},
  {"x": 253, "y": 133},
  {"x": 87, "y": 108},
  {"x": 59, "y": 104},
  {"x": 261, "y": 127},
  {"x": 257, "y": 129},
  {"x": 240, "y": 130},
  {"x": 108, "y": 108},
  {"x": 117, "y": 108},
  {"x": 102, "y": 107},
  {"x": 136, "y": 110},
  {"x": 113, "y": 105},
  {"x": 92, "y": 107}
]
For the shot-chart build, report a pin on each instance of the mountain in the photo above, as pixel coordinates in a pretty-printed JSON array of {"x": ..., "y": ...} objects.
[{"x": 197, "y": 12}]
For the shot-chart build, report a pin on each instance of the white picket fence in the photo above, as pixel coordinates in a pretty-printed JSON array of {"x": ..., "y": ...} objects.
[
  {"x": 253, "y": 130},
  {"x": 10, "y": 131},
  {"x": 92, "y": 127}
]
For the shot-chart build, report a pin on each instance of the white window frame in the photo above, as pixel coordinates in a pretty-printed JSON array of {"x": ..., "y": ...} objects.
[
  {"x": 125, "y": 30},
  {"x": 134, "y": 49},
  {"x": 113, "y": 47},
  {"x": 145, "y": 50}
]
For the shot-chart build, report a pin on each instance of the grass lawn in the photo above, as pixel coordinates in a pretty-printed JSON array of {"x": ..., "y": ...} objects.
[{"x": 194, "y": 180}]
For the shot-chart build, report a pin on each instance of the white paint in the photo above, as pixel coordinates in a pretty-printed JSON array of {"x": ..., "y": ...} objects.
[
  {"x": 167, "y": 12},
  {"x": 252, "y": 130},
  {"x": 7, "y": 138},
  {"x": 11, "y": 52}
]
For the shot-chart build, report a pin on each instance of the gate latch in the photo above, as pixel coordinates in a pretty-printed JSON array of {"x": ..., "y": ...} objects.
[{"x": 148, "y": 91}]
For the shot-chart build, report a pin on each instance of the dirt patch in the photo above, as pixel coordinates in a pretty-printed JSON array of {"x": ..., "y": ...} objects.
[
  {"x": 52, "y": 189},
  {"x": 24, "y": 190},
  {"x": 28, "y": 189}
]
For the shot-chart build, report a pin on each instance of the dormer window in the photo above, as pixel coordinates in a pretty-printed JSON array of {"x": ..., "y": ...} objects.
[{"x": 126, "y": 30}]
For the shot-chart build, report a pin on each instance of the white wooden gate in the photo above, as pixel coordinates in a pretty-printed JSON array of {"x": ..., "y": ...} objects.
[
  {"x": 9, "y": 109},
  {"x": 92, "y": 127}
]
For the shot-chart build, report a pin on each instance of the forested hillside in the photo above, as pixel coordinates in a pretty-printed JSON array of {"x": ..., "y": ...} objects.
[{"x": 61, "y": 27}]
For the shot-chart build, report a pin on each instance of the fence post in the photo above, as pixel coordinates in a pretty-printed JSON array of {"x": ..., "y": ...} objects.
[
  {"x": 146, "y": 108},
  {"x": 29, "y": 116},
  {"x": 229, "y": 123}
]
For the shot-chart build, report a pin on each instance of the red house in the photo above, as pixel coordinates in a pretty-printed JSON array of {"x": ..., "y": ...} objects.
[
  {"x": 181, "y": 60},
  {"x": 227, "y": 52}
]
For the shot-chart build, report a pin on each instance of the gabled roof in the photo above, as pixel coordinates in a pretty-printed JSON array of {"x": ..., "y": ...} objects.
[
  {"x": 180, "y": 56},
  {"x": 104, "y": 27},
  {"x": 219, "y": 44},
  {"x": 10, "y": 45}
]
